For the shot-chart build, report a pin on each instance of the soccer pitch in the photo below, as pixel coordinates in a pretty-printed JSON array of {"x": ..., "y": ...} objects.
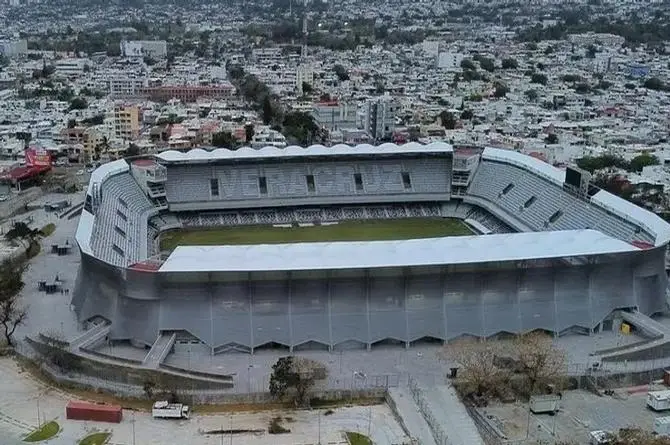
[{"x": 375, "y": 230}]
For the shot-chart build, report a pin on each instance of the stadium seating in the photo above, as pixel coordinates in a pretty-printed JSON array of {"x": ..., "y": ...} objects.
[
  {"x": 544, "y": 205},
  {"x": 307, "y": 215},
  {"x": 120, "y": 233},
  {"x": 292, "y": 180},
  {"x": 488, "y": 220}
]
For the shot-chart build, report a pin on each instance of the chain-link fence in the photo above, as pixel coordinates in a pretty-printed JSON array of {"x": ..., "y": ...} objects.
[
  {"x": 129, "y": 382},
  {"x": 438, "y": 433}
]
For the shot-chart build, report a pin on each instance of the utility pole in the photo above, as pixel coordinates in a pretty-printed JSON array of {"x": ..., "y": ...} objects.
[
  {"x": 231, "y": 429},
  {"x": 39, "y": 421},
  {"x": 318, "y": 413},
  {"x": 133, "y": 427},
  {"x": 369, "y": 421}
]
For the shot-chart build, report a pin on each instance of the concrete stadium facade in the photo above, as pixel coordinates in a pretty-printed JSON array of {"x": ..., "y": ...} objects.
[{"x": 232, "y": 308}]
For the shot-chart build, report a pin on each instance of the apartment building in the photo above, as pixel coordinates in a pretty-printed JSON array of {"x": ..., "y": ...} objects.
[
  {"x": 187, "y": 93},
  {"x": 126, "y": 121},
  {"x": 126, "y": 86},
  {"x": 13, "y": 48},
  {"x": 335, "y": 115},
  {"x": 380, "y": 113},
  {"x": 82, "y": 142},
  {"x": 156, "y": 49},
  {"x": 71, "y": 67}
]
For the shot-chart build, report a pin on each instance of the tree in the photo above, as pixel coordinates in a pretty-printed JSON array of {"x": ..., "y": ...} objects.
[
  {"x": 341, "y": 72},
  {"x": 478, "y": 372},
  {"x": 551, "y": 139},
  {"x": 548, "y": 50},
  {"x": 301, "y": 128},
  {"x": 468, "y": 65},
  {"x": 282, "y": 377},
  {"x": 21, "y": 230},
  {"x": 448, "y": 120},
  {"x": 541, "y": 361},
  {"x": 268, "y": 110},
  {"x": 571, "y": 78},
  {"x": 538, "y": 78},
  {"x": 296, "y": 374},
  {"x": 249, "y": 132},
  {"x": 224, "y": 139},
  {"x": 591, "y": 52},
  {"x": 71, "y": 123},
  {"x": 654, "y": 83},
  {"x": 487, "y": 64},
  {"x": 501, "y": 89},
  {"x": 78, "y": 103},
  {"x": 466, "y": 115},
  {"x": 307, "y": 88},
  {"x": 531, "y": 95},
  {"x": 510, "y": 64},
  {"x": 132, "y": 150},
  {"x": 12, "y": 314},
  {"x": 582, "y": 88},
  {"x": 641, "y": 161}
]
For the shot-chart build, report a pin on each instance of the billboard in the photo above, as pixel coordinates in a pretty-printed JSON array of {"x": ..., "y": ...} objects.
[{"x": 38, "y": 157}]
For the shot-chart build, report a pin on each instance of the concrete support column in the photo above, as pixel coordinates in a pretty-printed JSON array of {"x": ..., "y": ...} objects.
[
  {"x": 290, "y": 310},
  {"x": 367, "y": 305},
  {"x": 405, "y": 285},
  {"x": 330, "y": 310},
  {"x": 444, "y": 283},
  {"x": 519, "y": 274},
  {"x": 250, "y": 299},
  {"x": 589, "y": 293}
]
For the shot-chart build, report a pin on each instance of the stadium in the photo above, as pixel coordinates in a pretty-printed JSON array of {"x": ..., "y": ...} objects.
[{"x": 330, "y": 247}]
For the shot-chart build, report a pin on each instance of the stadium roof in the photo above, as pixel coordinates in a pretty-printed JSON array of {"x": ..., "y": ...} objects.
[
  {"x": 528, "y": 162},
  {"x": 377, "y": 254},
  {"x": 199, "y": 155},
  {"x": 637, "y": 215}
]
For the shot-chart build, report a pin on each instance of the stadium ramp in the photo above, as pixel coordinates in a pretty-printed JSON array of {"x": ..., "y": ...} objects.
[{"x": 159, "y": 350}]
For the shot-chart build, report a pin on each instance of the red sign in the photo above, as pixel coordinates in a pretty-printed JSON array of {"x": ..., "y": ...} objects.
[{"x": 38, "y": 157}]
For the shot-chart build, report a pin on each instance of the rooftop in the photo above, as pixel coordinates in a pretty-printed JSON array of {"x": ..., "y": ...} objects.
[
  {"x": 376, "y": 254},
  {"x": 295, "y": 151}
]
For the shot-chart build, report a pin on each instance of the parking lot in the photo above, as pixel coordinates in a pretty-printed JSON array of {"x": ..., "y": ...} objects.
[{"x": 581, "y": 412}]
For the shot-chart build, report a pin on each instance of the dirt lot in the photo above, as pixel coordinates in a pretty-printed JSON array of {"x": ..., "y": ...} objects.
[{"x": 23, "y": 399}]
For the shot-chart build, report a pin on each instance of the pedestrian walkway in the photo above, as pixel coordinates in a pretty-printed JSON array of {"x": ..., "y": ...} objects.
[{"x": 160, "y": 349}]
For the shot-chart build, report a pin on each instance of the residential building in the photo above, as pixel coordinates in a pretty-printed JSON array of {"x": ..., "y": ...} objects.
[
  {"x": 126, "y": 86},
  {"x": 71, "y": 67},
  {"x": 13, "y": 48},
  {"x": 335, "y": 115},
  {"x": 449, "y": 60},
  {"x": 380, "y": 113},
  {"x": 156, "y": 49},
  {"x": 187, "y": 93},
  {"x": 126, "y": 121}
]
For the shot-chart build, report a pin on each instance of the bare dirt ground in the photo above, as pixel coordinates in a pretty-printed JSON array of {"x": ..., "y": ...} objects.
[{"x": 24, "y": 399}]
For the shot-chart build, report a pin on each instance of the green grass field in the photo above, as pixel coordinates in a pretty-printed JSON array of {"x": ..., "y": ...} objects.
[
  {"x": 375, "y": 230},
  {"x": 46, "y": 431}
]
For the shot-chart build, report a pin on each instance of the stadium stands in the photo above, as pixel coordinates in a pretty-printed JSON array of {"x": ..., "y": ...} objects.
[
  {"x": 302, "y": 215},
  {"x": 544, "y": 205},
  {"x": 121, "y": 233},
  {"x": 229, "y": 183}
]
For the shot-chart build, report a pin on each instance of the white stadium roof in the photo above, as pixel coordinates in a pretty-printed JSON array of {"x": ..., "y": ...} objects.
[
  {"x": 528, "y": 162},
  {"x": 417, "y": 252},
  {"x": 199, "y": 155}
]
